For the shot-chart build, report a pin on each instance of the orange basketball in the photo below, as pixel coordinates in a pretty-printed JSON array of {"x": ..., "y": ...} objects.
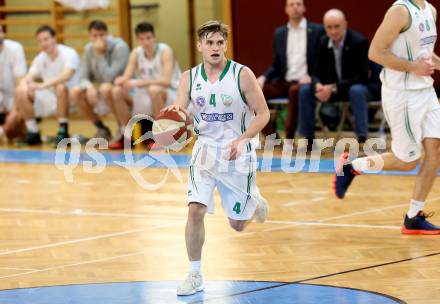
[{"x": 171, "y": 128}]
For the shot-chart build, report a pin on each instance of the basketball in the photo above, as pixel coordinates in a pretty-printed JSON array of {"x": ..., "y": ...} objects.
[{"x": 172, "y": 128}]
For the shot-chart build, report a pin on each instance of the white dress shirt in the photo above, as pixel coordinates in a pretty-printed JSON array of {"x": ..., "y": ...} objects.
[
  {"x": 337, "y": 51},
  {"x": 297, "y": 51}
]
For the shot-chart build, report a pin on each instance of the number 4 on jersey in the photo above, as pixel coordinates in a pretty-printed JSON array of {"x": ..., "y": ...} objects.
[
  {"x": 237, "y": 208},
  {"x": 212, "y": 100}
]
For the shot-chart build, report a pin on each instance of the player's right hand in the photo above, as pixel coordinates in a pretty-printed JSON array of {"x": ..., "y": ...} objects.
[
  {"x": 173, "y": 107},
  {"x": 423, "y": 67},
  {"x": 119, "y": 80}
]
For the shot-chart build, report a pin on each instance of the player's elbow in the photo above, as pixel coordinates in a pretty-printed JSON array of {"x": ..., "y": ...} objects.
[
  {"x": 375, "y": 54},
  {"x": 372, "y": 54},
  {"x": 166, "y": 83},
  {"x": 265, "y": 116}
]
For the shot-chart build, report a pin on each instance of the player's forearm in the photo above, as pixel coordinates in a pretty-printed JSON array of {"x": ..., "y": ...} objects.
[
  {"x": 436, "y": 61},
  {"x": 391, "y": 61},
  {"x": 257, "y": 124},
  {"x": 160, "y": 82},
  {"x": 53, "y": 82}
]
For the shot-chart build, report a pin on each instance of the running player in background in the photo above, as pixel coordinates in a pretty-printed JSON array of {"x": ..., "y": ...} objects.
[
  {"x": 404, "y": 45},
  {"x": 229, "y": 112},
  {"x": 12, "y": 70},
  {"x": 155, "y": 86},
  {"x": 57, "y": 66}
]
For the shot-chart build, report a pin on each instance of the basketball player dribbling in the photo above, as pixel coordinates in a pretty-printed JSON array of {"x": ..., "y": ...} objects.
[
  {"x": 404, "y": 45},
  {"x": 229, "y": 111}
]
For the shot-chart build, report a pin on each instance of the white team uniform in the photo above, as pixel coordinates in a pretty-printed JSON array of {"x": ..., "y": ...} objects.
[
  {"x": 151, "y": 70},
  {"x": 221, "y": 115},
  {"x": 12, "y": 66},
  {"x": 409, "y": 101},
  {"x": 45, "y": 68}
]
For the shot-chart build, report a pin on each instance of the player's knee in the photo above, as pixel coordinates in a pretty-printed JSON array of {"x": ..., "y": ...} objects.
[
  {"x": 117, "y": 92},
  {"x": 75, "y": 93},
  {"x": 409, "y": 166},
  {"x": 92, "y": 95},
  {"x": 105, "y": 89},
  {"x": 155, "y": 91},
  {"x": 60, "y": 89},
  {"x": 21, "y": 91},
  {"x": 433, "y": 158},
  {"x": 196, "y": 212},
  {"x": 238, "y": 226}
]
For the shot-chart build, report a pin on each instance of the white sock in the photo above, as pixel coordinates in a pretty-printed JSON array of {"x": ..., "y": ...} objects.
[
  {"x": 360, "y": 164},
  {"x": 414, "y": 208},
  {"x": 194, "y": 266},
  {"x": 32, "y": 126}
]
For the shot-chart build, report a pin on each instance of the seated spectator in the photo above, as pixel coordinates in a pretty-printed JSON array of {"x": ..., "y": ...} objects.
[
  {"x": 295, "y": 47},
  {"x": 12, "y": 70},
  {"x": 157, "y": 79},
  {"x": 105, "y": 58},
  {"x": 341, "y": 73},
  {"x": 57, "y": 66}
]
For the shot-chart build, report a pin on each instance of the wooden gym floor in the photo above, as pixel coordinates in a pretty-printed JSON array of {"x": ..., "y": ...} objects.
[{"x": 105, "y": 228}]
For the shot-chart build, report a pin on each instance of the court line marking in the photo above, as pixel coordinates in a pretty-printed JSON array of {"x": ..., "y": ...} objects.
[
  {"x": 142, "y": 252},
  {"x": 363, "y": 212},
  {"x": 14, "y": 268},
  {"x": 75, "y": 264},
  {"x": 93, "y": 238},
  {"x": 219, "y": 218},
  {"x": 320, "y": 277},
  {"x": 301, "y": 223}
]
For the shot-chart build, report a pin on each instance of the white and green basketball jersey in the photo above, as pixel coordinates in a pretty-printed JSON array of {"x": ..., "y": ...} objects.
[
  {"x": 416, "y": 42},
  {"x": 153, "y": 69},
  {"x": 221, "y": 113}
]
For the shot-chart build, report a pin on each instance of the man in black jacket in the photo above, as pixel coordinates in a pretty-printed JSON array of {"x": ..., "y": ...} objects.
[
  {"x": 294, "y": 50},
  {"x": 341, "y": 73}
]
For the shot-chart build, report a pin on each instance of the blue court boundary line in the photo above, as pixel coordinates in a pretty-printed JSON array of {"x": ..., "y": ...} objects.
[
  {"x": 281, "y": 284},
  {"x": 158, "y": 160}
]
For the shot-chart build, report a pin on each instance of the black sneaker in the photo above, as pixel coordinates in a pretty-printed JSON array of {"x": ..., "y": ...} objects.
[
  {"x": 30, "y": 139},
  {"x": 62, "y": 134},
  {"x": 419, "y": 225},
  {"x": 103, "y": 133},
  {"x": 344, "y": 175}
]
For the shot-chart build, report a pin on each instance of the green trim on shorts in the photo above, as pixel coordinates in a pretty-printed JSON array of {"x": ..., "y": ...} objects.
[
  {"x": 191, "y": 174},
  {"x": 191, "y": 169},
  {"x": 249, "y": 180},
  {"x": 408, "y": 124}
]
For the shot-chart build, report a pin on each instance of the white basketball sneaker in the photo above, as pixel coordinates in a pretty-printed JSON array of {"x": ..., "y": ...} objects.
[
  {"x": 262, "y": 210},
  {"x": 192, "y": 284}
]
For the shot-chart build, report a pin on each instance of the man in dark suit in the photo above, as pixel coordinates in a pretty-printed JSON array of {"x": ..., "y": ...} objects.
[
  {"x": 294, "y": 50},
  {"x": 341, "y": 73}
]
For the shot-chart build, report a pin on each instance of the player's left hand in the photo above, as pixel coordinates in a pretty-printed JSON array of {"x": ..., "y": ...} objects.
[
  {"x": 132, "y": 83},
  {"x": 236, "y": 148},
  {"x": 34, "y": 86}
]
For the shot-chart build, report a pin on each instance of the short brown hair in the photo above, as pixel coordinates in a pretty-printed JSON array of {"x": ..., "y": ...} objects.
[
  {"x": 213, "y": 27},
  {"x": 46, "y": 28}
]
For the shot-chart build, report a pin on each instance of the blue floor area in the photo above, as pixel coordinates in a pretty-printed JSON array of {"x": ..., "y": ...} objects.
[
  {"x": 220, "y": 292},
  {"x": 161, "y": 160}
]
